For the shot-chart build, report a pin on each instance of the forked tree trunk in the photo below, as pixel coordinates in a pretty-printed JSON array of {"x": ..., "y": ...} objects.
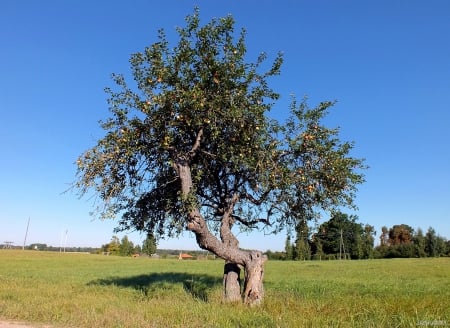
[
  {"x": 254, "y": 274},
  {"x": 253, "y": 292},
  {"x": 226, "y": 248}
]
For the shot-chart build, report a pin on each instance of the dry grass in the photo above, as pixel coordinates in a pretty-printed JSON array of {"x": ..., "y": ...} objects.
[{"x": 78, "y": 290}]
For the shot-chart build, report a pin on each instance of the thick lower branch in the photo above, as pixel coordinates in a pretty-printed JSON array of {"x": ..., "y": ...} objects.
[
  {"x": 229, "y": 251},
  {"x": 228, "y": 247}
]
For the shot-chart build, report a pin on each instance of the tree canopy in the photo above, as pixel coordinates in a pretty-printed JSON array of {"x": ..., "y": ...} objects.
[
  {"x": 190, "y": 145},
  {"x": 201, "y": 102}
]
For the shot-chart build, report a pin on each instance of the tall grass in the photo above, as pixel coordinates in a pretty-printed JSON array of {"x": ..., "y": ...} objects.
[{"x": 81, "y": 290}]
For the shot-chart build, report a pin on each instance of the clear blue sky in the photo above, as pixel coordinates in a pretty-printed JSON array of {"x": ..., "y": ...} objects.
[{"x": 386, "y": 62}]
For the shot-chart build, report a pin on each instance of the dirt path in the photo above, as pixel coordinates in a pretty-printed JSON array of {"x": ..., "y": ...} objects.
[
  {"x": 8, "y": 324},
  {"x": 13, "y": 324}
]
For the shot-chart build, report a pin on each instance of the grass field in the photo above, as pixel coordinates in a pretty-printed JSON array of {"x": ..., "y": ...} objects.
[{"x": 82, "y": 290}]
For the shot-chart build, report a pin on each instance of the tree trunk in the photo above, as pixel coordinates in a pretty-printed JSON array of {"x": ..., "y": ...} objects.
[
  {"x": 253, "y": 292},
  {"x": 227, "y": 248},
  {"x": 231, "y": 283},
  {"x": 254, "y": 274}
]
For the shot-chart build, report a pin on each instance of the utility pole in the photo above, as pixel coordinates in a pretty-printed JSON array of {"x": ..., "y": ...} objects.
[
  {"x": 26, "y": 234},
  {"x": 342, "y": 247},
  {"x": 65, "y": 241}
]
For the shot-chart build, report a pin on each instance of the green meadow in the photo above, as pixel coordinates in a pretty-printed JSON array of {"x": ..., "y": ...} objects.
[{"x": 84, "y": 290}]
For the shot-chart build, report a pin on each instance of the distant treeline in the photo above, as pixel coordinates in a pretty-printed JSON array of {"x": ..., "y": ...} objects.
[
  {"x": 45, "y": 247},
  {"x": 402, "y": 241},
  {"x": 160, "y": 253},
  {"x": 343, "y": 238}
]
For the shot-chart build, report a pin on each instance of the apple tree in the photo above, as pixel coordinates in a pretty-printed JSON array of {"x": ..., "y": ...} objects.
[{"x": 189, "y": 146}]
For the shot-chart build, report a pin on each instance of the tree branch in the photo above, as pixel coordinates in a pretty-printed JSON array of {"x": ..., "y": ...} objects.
[
  {"x": 227, "y": 222},
  {"x": 196, "y": 145},
  {"x": 252, "y": 222},
  {"x": 256, "y": 201}
]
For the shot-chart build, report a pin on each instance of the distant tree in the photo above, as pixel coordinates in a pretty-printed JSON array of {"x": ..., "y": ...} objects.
[
  {"x": 404, "y": 242},
  {"x": 319, "y": 254},
  {"x": 400, "y": 234},
  {"x": 397, "y": 241},
  {"x": 358, "y": 247},
  {"x": 384, "y": 237},
  {"x": 113, "y": 247},
  {"x": 190, "y": 145},
  {"x": 137, "y": 249},
  {"x": 149, "y": 246},
  {"x": 38, "y": 247},
  {"x": 126, "y": 247},
  {"x": 431, "y": 242},
  {"x": 405, "y": 250},
  {"x": 435, "y": 245},
  {"x": 302, "y": 248},
  {"x": 368, "y": 240},
  {"x": 420, "y": 243},
  {"x": 441, "y": 246},
  {"x": 289, "y": 249},
  {"x": 341, "y": 236},
  {"x": 447, "y": 248},
  {"x": 103, "y": 248},
  {"x": 275, "y": 255}
]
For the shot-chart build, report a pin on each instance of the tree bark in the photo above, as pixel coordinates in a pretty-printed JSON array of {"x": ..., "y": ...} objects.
[
  {"x": 231, "y": 283},
  {"x": 254, "y": 275}
]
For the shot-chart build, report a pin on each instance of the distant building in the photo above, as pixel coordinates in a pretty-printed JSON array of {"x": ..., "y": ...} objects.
[{"x": 184, "y": 256}]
